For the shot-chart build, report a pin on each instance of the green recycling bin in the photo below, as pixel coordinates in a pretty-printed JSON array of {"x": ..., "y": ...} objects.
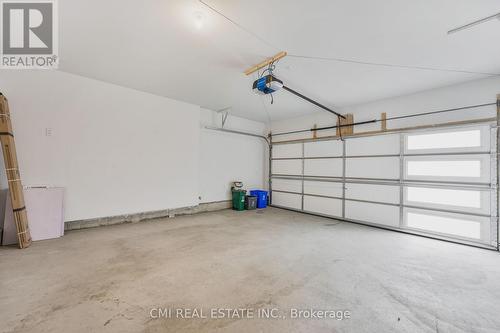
[{"x": 239, "y": 199}]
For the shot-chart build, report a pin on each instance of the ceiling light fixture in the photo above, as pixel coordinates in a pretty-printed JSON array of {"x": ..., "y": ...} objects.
[
  {"x": 199, "y": 20},
  {"x": 470, "y": 25}
]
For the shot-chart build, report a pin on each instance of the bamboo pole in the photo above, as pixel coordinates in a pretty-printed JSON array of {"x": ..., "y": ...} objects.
[{"x": 13, "y": 176}]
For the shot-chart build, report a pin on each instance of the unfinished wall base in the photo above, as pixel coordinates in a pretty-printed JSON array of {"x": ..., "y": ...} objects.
[{"x": 132, "y": 218}]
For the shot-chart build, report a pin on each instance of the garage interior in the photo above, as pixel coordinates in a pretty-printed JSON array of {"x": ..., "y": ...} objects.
[{"x": 252, "y": 166}]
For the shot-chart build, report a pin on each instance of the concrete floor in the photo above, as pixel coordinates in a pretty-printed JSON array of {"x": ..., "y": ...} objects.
[{"x": 107, "y": 279}]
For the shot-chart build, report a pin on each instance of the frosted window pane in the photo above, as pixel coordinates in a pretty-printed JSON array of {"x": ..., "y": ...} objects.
[
  {"x": 458, "y": 198},
  {"x": 461, "y": 139},
  {"x": 447, "y": 225},
  {"x": 445, "y": 168}
]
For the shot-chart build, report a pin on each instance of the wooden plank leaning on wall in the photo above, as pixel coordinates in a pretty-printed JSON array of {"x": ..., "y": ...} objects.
[{"x": 13, "y": 176}]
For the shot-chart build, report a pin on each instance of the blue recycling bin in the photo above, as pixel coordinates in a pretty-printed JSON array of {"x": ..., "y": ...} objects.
[{"x": 261, "y": 198}]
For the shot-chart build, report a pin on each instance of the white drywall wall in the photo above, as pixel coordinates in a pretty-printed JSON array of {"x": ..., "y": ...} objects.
[
  {"x": 469, "y": 93},
  {"x": 227, "y": 157},
  {"x": 120, "y": 151},
  {"x": 115, "y": 150}
]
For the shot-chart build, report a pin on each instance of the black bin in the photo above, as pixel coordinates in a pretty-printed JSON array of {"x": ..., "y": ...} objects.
[{"x": 250, "y": 202}]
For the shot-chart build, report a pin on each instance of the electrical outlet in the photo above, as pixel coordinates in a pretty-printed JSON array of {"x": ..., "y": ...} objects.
[{"x": 48, "y": 131}]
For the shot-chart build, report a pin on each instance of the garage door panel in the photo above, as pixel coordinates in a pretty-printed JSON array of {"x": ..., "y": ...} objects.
[
  {"x": 474, "y": 139},
  {"x": 476, "y": 228},
  {"x": 287, "y": 167},
  {"x": 287, "y": 151},
  {"x": 369, "y": 192},
  {"x": 438, "y": 182},
  {"x": 287, "y": 185},
  {"x": 372, "y": 213},
  {"x": 325, "y": 206},
  {"x": 329, "y": 189},
  {"x": 330, "y": 167},
  {"x": 465, "y": 200},
  {"x": 373, "y": 167},
  {"x": 450, "y": 168},
  {"x": 323, "y": 148},
  {"x": 287, "y": 200},
  {"x": 373, "y": 145}
]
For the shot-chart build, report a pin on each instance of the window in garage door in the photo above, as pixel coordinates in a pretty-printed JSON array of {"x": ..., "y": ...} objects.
[
  {"x": 438, "y": 182},
  {"x": 461, "y": 160}
]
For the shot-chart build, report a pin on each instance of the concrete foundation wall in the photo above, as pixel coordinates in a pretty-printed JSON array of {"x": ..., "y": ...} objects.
[{"x": 133, "y": 218}]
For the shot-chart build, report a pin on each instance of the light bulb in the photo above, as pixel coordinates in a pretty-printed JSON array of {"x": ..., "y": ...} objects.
[{"x": 199, "y": 20}]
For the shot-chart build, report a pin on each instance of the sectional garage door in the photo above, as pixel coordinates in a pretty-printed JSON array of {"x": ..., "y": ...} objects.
[{"x": 439, "y": 183}]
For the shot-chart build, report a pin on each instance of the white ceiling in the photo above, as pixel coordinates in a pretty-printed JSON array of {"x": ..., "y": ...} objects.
[{"x": 155, "y": 46}]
